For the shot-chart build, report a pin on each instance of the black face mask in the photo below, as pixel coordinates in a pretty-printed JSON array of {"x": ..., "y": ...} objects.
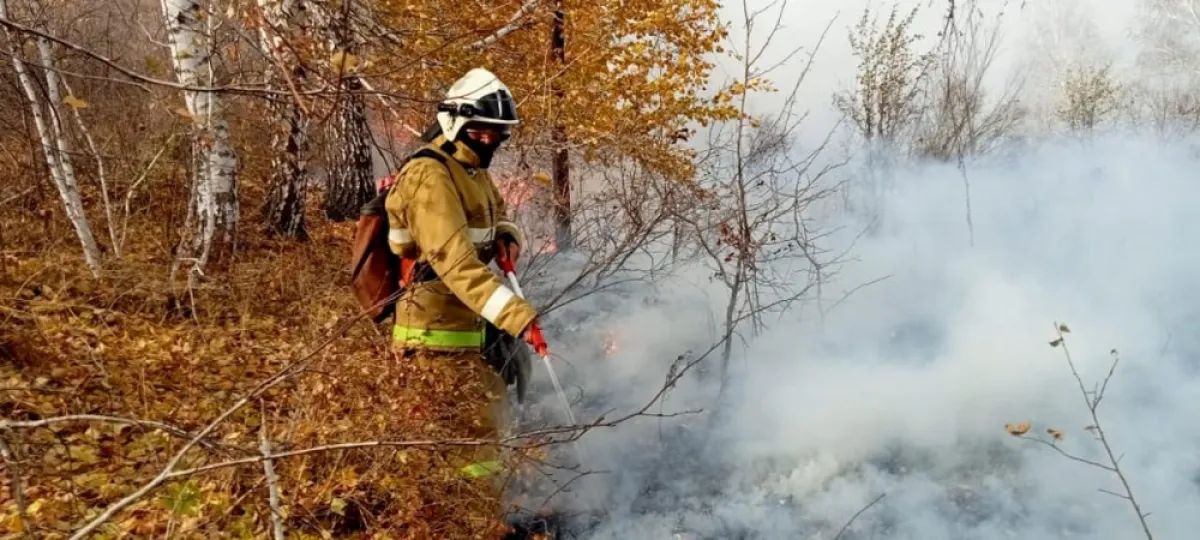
[{"x": 484, "y": 151}]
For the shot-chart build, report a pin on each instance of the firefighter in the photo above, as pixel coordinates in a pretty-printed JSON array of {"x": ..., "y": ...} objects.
[{"x": 447, "y": 222}]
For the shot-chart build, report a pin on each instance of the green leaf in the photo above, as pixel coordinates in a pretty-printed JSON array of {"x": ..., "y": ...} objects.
[
  {"x": 338, "y": 506},
  {"x": 182, "y": 499},
  {"x": 480, "y": 469}
]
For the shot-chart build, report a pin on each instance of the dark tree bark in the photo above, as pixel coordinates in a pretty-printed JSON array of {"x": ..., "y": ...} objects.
[
  {"x": 283, "y": 211},
  {"x": 349, "y": 183},
  {"x": 284, "y": 208},
  {"x": 561, "y": 177}
]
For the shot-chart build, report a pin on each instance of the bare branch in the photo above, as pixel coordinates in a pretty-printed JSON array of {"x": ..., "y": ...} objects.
[
  {"x": 1092, "y": 404},
  {"x": 16, "y": 487},
  {"x": 264, "y": 446},
  {"x": 70, "y": 418},
  {"x": 858, "y": 513},
  {"x": 514, "y": 23},
  {"x": 168, "y": 470},
  {"x": 1066, "y": 454}
]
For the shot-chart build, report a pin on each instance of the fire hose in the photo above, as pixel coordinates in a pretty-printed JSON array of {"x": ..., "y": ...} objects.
[{"x": 536, "y": 337}]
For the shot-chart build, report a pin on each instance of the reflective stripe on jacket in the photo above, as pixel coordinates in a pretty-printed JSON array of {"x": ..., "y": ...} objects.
[{"x": 448, "y": 216}]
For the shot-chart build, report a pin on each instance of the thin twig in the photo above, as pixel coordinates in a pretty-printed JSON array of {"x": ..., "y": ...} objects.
[
  {"x": 514, "y": 22},
  {"x": 44, "y": 422},
  {"x": 1113, "y": 493},
  {"x": 17, "y": 196},
  {"x": 1103, "y": 387},
  {"x": 272, "y": 480},
  {"x": 16, "y": 487},
  {"x": 1092, "y": 404},
  {"x": 858, "y": 513},
  {"x": 1066, "y": 454},
  {"x": 133, "y": 187},
  {"x": 100, "y": 172},
  {"x": 167, "y": 471}
]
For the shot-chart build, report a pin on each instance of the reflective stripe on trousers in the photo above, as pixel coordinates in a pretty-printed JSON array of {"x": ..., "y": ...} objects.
[{"x": 456, "y": 339}]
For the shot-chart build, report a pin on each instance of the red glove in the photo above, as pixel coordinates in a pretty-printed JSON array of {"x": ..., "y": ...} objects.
[
  {"x": 507, "y": 253},
  {"x": 385, "y": 183},
  {"x": 533, "y": 336}
]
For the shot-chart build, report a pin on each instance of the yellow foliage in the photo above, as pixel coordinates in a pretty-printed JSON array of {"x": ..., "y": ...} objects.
[
  {"x": 74, "y": 102},
  {"x": 343, "y": 62},
  {"x": 633, "y": 84}
]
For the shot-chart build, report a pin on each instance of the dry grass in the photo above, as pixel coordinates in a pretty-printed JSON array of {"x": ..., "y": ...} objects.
[{"x": 135, "y": 345}]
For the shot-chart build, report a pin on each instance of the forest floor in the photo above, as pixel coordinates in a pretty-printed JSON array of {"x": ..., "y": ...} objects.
[{"x": 136, "y": 345}]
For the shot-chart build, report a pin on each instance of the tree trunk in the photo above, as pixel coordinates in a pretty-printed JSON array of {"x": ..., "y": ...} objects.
[
  {"x": 213, "y": 213},
  {"x": 350, "y": 182},
  {"x": 284, "y": 208},
  {"x": 561, "y": 180},
  {"x": 730, "y": 327},
  {"x": 55, "y": 147}
]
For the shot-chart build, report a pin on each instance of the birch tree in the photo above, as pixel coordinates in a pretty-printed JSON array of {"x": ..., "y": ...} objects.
[
  {"x": 213, "y": 210},
  {"x": 56, "y": 148},
  {"x": 284, "y": 208},
  {"x": 349, "y": 181}
]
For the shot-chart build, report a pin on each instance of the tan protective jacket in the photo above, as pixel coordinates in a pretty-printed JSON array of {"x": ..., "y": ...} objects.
[{"x": 449, "y": 216}]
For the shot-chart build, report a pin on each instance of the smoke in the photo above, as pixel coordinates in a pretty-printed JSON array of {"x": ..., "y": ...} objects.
[{"x": 904, "y": 387}]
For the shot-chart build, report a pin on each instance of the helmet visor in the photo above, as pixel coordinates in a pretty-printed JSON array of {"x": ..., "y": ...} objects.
[{"x": 498, "y": 105}]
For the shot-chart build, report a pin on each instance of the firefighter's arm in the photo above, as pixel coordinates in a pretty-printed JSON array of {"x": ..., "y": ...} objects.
[
  {"x": 399, "y": 237},
  {"x": 438, "y": 225}
]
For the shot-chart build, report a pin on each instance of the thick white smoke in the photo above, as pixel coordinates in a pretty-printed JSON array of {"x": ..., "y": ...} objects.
[{"x": 905, "y": 387}]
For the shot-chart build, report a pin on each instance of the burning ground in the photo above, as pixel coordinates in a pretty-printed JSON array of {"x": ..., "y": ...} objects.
[{"x": 904, "y": 387}]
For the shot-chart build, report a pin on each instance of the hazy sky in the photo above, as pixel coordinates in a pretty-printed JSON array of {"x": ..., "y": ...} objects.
[{"x": 1056, "y": 24}]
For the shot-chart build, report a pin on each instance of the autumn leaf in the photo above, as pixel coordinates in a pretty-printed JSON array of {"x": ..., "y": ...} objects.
[
  {"x": 1062, "y": 327},
  {"x": 343, "y": 61},
  {"x": 74, "y": 102},
  {"x": 1018, "y": 429},
  {"x": 1058, "y": 435},
  {"x": 1056, "y": 343},
  {"x": 86, "y": 454},
  {"x": 153, "y": 65}
]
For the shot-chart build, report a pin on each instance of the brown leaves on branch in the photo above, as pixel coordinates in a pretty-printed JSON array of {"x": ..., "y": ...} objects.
[{"x": 1017, "y": 429}]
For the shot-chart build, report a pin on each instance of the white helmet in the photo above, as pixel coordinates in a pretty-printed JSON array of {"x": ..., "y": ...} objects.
[{"x": 478, "y": 96}]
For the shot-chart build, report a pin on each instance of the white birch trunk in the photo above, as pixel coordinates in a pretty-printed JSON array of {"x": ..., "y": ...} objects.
[
  {"x": 54, "y": 145},
  {"x": 100, "y": 175},
  {"x": 214, "y": 208}
]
